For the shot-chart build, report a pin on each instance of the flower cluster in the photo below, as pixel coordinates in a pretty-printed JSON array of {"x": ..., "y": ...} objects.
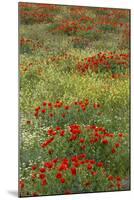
[
  {"x": 89, "y": 151},
  {"x": 64, "y": 171},
  {"x": 28, "y": 44},
  {"x": 105, "y": 21},
  {"x": 105, "y": 61},
  {"x": 36, "y": 13},
  {"x": 48, "y": 107}
]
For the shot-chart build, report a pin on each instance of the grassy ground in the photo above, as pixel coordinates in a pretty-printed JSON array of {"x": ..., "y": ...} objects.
[{"x": 55, "y": 45}]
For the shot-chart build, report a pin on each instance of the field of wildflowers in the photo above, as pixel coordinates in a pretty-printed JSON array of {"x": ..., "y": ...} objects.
[{"x": 74, "y": 99}]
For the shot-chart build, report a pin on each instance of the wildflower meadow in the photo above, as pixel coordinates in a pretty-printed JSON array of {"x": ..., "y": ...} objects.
[{"x": 74, "y": 99}]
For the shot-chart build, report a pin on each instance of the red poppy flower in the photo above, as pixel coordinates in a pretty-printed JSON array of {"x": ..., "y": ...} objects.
[
  {"x": 92, "y": 161},
  {"x": 43, "y": 111},
  {"x": 83, "y": 155},
  {"x": 111, "y": 135},
  {"x": 110, "y": 178},
  {"x": 94, "y": 140},
  {"x": 42, "y": 176},
  {"x": 86, "y": 101},
  {"x": 59, "y": 175},
  {"x": 89, "y": 167},
  {"x": 42, "y": 169},
  {"x": 64, "y": 166},
  {"x": 83, "y": 108},
  {"x": 50, "y": 104},
  {"x": 51, "y": 115},
  {"x": 34, "y": 167},
  {"x": 100, "y": 164},
  {"x": 117, "y": 145},
  {"x": 62, "y": 180},
  {"x": 37, "y": 109},
  {"x": 76, "y": 164},
  {"x": 58, "y": 128},
  {"x": 113, "y": 150},
  {"x": 63, "y": 115},
  {"x": 74, "y": 158},
  {"x": 96, "y": 105},
  {"x": 94, "y": 173},
  {"x": 119, "y": 185},
  {"x": 55, "y": 160},
  {"x": 120, "y": 134},
  {"x": 44, "y": 182},
  {"x": 82, "y": 140},
  {"x": 47, "y": 142},
  {"x": 73, "y": 171},
  {"x": 54, "y": 133},
  {"x": 118, "y": 178},
  {"x": 21, "y": 184},
  {"x": 66, "y": 107},
  {"x": 83, "y": 147},
  {"x": 62, "y": 133},
  {"x": 74, "y": 126},
  {"x": 97, "y": 134},
  {"x": 50, "y": 131},
  {"x": 105, "y": 141},
  {"x": 44, "y": 103},
  {"x": 58, "y": 104},
  {"x": 48, "y": 165},
  {"x": 73, "y": 137},
  {"x": 36, "y": 114},
  {"x": 82, "y": 162},
  {"x": 65, "y": 160},
  {"x": 75, "y": 131}
]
